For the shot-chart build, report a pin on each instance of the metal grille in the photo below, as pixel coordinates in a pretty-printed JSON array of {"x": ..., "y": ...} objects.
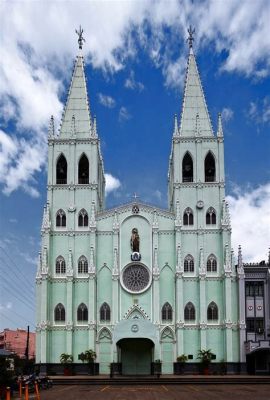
[{"x": 136, "y": 278}]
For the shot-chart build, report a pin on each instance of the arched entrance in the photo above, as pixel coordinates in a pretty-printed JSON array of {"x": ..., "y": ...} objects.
[{"x": 136, "y": 355}]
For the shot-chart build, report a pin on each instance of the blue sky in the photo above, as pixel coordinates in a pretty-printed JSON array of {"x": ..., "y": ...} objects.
[{"x": 135, "y": 55}]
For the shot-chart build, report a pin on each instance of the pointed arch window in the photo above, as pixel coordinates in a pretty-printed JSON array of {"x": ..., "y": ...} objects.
[
  {"x": 212, "y": 312},
  {"x": 82, "y": 313},
  {"x": 105, "y": 312},
  {"x": 189, "y": 263},
  {"x": 210, "y": 167},
  {"x": 83, "y": 218},
  {"x": 211, "y": 263},
  {"x": 61, "y": 220},
  {"x": 61, "y": 170},
  {"x": 188, "y": 217},
  {"x": 166, "y": 312},
  {"x": 189, "y": 312},
  {"x": 82, "y": 265},
  {"x": 83, "y": 170},
  {"x": 187, "y": 168},
  {"x": 60, "y": 265},
  {"x": 211, "y": 218},
  {"x": 60, "y": 313}
]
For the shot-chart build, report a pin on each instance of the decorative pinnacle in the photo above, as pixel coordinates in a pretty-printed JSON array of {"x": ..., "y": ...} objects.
[
  {"x": 81, "y": 39},
  {"x": 190, "y": 38}
]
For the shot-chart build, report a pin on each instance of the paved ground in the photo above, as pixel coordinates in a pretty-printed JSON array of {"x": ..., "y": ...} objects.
[{"x": 157, "y": 392}]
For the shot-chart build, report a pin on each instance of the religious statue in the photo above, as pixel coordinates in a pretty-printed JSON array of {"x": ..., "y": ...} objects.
[{"x": 135, "y": 241}]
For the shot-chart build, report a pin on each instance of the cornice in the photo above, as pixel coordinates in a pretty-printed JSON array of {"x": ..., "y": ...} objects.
[
  {"x": 56, "y": 140},
  {"x": 72, "y": 186},
  {"x": 128, "y": 208},
  {"x": 194, "y": 139},
  {"x": 199, "y": 185}
]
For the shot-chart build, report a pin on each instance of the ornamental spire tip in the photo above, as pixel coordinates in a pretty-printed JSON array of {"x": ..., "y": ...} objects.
[
  {"x": 190, "y": 38},
  {"x": 81, "y": 39}
]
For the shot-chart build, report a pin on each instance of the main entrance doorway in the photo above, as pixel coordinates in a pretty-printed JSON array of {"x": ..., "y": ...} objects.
[{"x": 136, "y": 356}]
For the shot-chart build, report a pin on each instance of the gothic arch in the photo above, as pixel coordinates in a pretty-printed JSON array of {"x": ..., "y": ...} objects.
[
  {"x": 105, "y": 334},
  {"x": 210, "y": 167},
  {"x": 136, "y": 312},
  {"x": 167, "y": 267},
  {"x": 189, "y": 263},
  {"x": 61, "y": 219},
  {"x": 83, "y": 218},
  {"x": 82, "y": 265},
  {"x": 167, "y": 334},
  {"x": 188, "y": 218},
  {"x": 211, "y": 265},
  {"x": 83, "y": 170},
  {"x": 59, "y": 313},
  {"x": 167, "y": 312},
  {"x": 189, "y": 312},
  {"x": 211, "y": 216},
  {"x": 82, "y": 313},
  {"x": 61, "y": 170},
  {"x": 187, "y": 168},
  {"x": 60, "y": 265},
  {"x": 212, "y": 312},
  {"x": 105, "y": 312}
]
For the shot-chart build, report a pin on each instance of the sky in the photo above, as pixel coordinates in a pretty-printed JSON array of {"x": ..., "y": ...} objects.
[{"x": 135, "y": 54}]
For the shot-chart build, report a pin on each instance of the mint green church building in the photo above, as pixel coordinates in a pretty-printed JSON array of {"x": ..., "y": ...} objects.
[{"x": 137, "y": 283}]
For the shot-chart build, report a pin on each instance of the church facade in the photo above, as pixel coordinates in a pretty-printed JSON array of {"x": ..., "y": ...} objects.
[{"x": 137, "y": 283}]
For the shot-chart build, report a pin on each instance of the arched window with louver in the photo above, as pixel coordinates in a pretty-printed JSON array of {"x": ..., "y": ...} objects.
[
  {"x": 187, "y": 168},
  {"x": 105, "y": 312},
  {"x": 82, "y": 313},
  {"x": 166, "y": 312},
  {"x": 210, "y": 168},
  {"x": 61, "y": 170},
  {"x": 189, "y": 312},
  {"x": 212, "y": 312},
  {"x": 59, "y": 313},
  {"x": 83, "y": 170}
]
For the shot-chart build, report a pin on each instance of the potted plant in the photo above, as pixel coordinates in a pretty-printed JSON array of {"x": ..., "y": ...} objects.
[
  {"x": 66, "y": 360},
  {"x": 206, "y": 357},
  {"x": 180, "y": 364},
  {"x": 89, "y": 356}
]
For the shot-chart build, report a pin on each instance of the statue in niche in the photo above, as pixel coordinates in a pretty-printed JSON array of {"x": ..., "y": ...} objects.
[{"x": 135, "y": 241}]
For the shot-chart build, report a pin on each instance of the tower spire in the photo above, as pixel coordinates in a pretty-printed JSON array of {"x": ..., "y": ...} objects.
[
  {"x": 194, "y": 106},
  {"x": 77, "y": 105}
]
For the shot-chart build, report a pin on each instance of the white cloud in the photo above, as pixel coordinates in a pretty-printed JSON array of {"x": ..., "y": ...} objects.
[
  {"x": 132, "y": 84},
  {"x": 35, "y": 62},
  {"x": 13, "y": 220},
  {"x": 259, "y": 111},
  {"x": 5, "y": 306},
  {"x": 251, "y": 222},
  {"x": 112, "y": 183},
  {"x": 106, "y": 101},
  {"x": 227, "y": 114},
  {"x": 124, "y": 115}
]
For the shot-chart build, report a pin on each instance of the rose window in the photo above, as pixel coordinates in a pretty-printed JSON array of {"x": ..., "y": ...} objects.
[{"x": 136, "y": 277}]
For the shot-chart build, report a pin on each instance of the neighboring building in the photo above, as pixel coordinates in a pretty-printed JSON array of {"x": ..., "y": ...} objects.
[
  {"x": 137, "y": 283},
  {"x": 254, "y": 292},
  {"x": 15, "y": 341}
]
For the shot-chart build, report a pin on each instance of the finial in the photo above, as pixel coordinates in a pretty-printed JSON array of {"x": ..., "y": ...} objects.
[
  {"x": 81, "y": 39},
  {"x": 51, "y": 126},
  {"x": 220, "y": 129},
  {"x": 176, "y": 132},
  {"x": 135, "y": 197},
  {"x": 190, "y": 38}
]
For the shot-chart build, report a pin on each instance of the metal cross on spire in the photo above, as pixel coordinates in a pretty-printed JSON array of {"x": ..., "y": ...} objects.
[
  {"x": 81, "y": 39},
  {"x": 190, "y": 36}
]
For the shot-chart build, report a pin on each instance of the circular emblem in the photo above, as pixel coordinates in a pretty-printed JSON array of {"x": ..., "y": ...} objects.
[
  {"x": 136, "y": 278},
  {"x": 135, "y": 209},
  {"x": 134, "y": 328},
  {"x": 200, "y": 204},
  {"x": 259, "y": 308},
  {"x": 250, "y": 308}
]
